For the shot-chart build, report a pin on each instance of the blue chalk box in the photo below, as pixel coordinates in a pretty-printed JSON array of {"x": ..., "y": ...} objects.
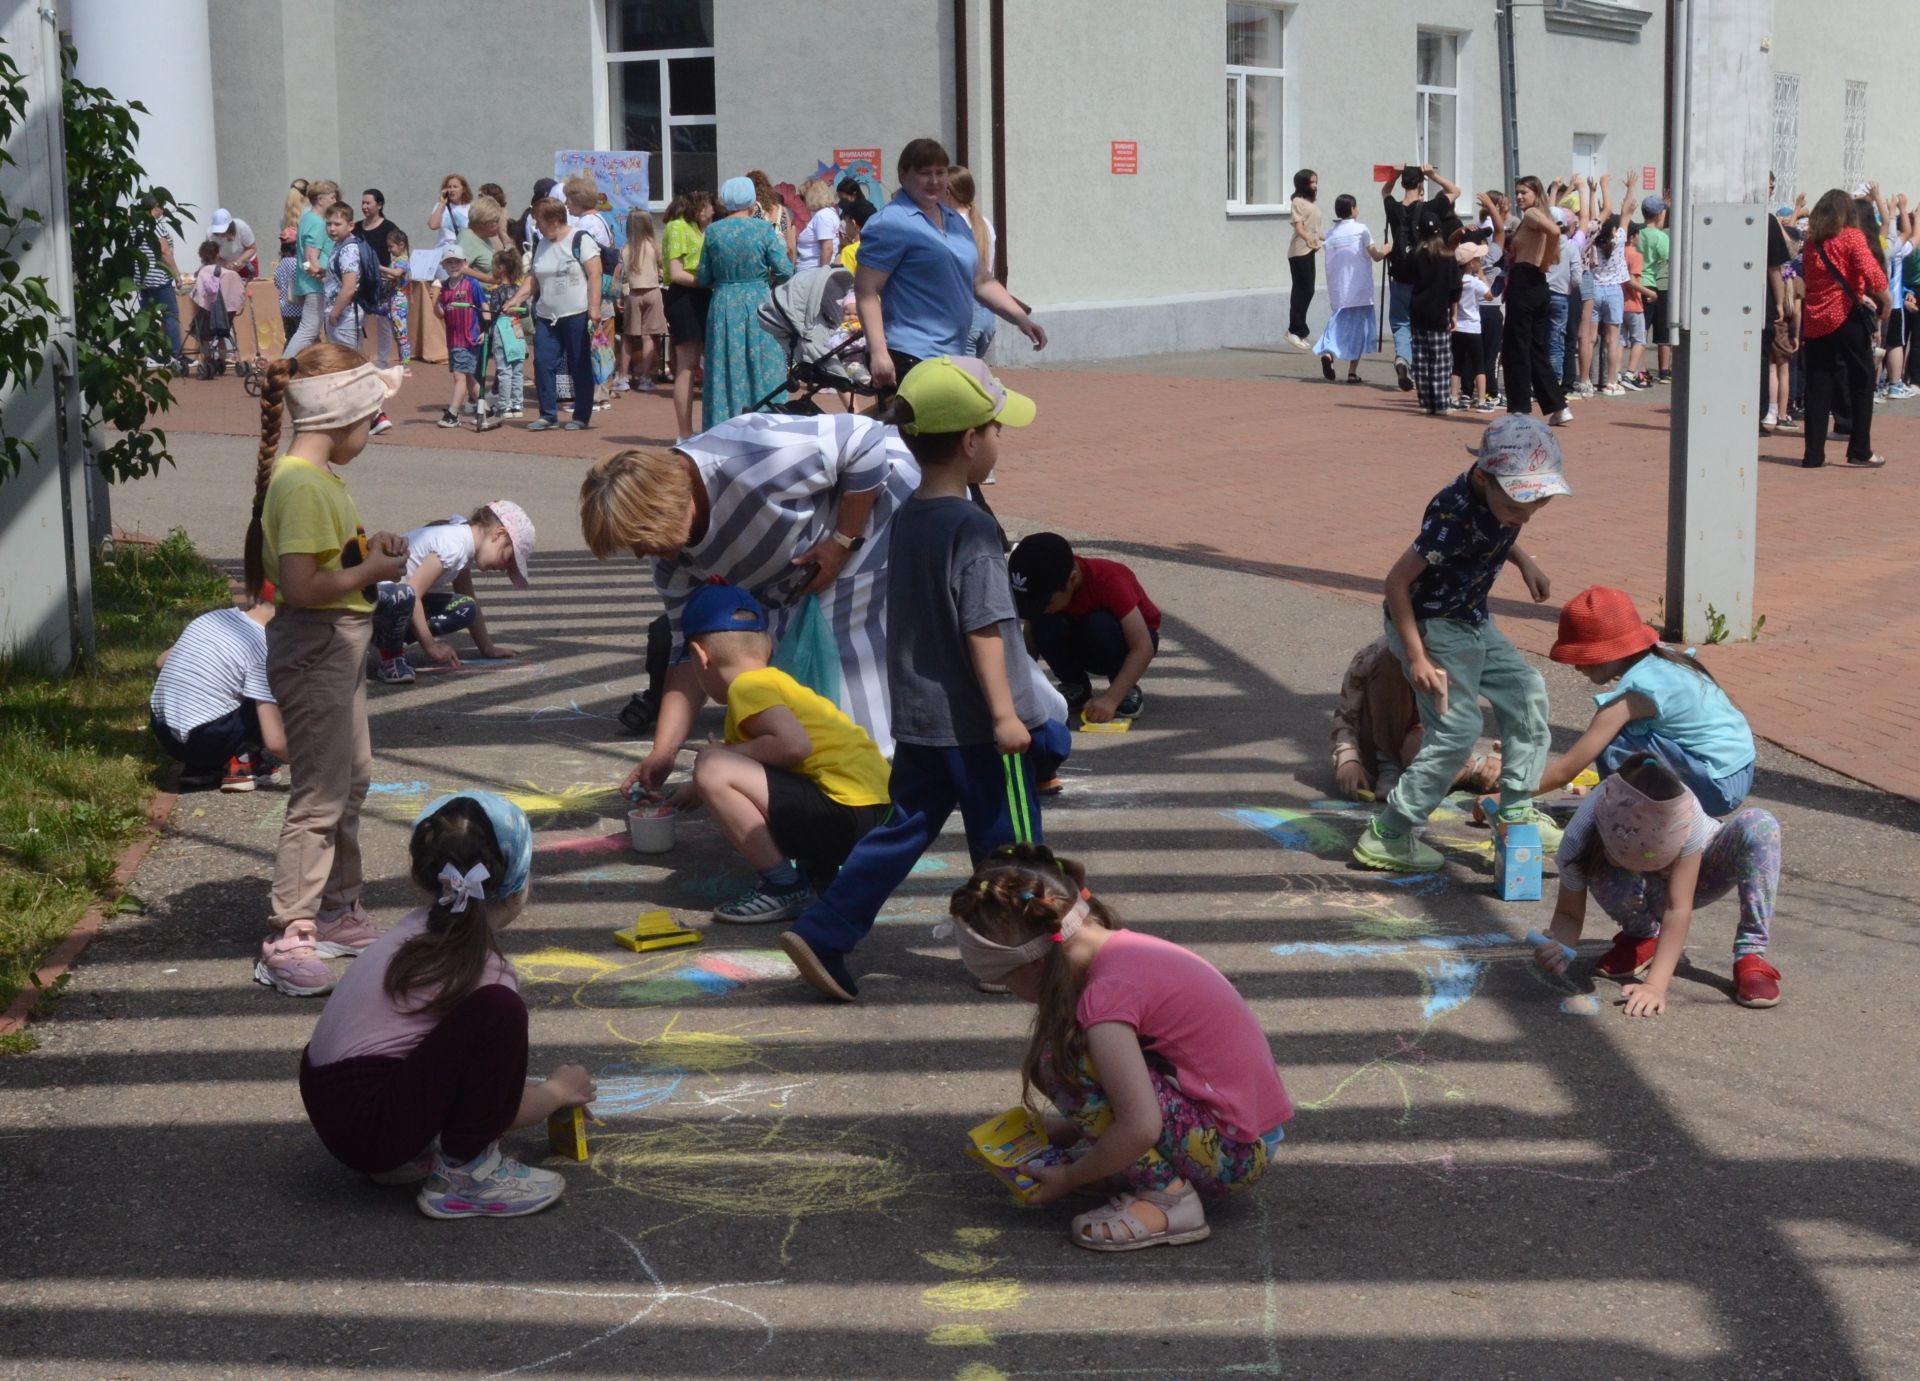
[{"x": 1516, "y": 862}]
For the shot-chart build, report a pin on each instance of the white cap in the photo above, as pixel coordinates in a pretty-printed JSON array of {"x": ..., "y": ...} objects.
[{"x": 222, "y": 221}]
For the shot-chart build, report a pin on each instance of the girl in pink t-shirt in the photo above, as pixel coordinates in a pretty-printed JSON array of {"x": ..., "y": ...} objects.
[
  {"x": 1161, "y": 1069},
  {"x": 418, "y": 1065}
]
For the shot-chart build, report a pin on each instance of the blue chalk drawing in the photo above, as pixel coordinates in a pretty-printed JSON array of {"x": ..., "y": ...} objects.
[
  {"x": 1454, "y": 981},
  {"x": 1361, "y": 950},
  {"x": 1292, "y": 829},
  {"x": 1581, "y": 1005},
  {"x": 412, "y": 788},
  {"x": 704, "y": 980},
  {"x": 623, "y": 1094},
  {"x": 1492, "y": 941},
  {"x": 930, "y": 864}
]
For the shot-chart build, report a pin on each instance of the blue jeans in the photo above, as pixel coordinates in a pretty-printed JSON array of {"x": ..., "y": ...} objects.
[
  {"x": 553, "y": 340},
  {"x": 1718, "y": 796},
  {"x": 1079, "y": 649},
  {"x": 981, "y": 331},
  {"x": 1400, "y": 319},
  {"x": 168, "y": 301},
  {"x": 994, "y": 795},
  {"x": 1559, "y": 308}
]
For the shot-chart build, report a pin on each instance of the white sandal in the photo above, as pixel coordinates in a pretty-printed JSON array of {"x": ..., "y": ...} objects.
[{"x": 1186, "y": 1222}]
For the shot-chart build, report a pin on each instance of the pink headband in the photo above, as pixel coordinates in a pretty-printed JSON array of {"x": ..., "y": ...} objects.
[
  {"x": 990, "y": 962},
  {"x": 323, "y": 402}
]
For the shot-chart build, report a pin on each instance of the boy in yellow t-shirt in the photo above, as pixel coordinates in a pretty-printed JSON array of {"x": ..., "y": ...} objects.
[{"x": 796, "y": 779}]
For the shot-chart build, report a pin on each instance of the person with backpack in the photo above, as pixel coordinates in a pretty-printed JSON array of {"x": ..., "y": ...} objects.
[
  {"x": 353, "y": 289},
  {"x": 1411, "y": 222},
  {"x": 564, "y": 288}
]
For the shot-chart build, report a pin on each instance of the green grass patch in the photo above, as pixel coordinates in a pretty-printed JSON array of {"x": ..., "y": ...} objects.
[{"x": 77, "y": 760}]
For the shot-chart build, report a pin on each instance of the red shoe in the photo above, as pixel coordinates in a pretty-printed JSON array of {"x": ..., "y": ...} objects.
[
  {"x": 239, "y": 774},
  {"x": 1756, "y": 982},
  {"x": 1629, "y": 958}
]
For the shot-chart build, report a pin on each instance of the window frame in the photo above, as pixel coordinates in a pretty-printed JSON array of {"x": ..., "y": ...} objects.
[
  {"x": 662, "y": 58},
  {"x": 1237, "y": 74},
  {"x": 1424, "y": 91}
]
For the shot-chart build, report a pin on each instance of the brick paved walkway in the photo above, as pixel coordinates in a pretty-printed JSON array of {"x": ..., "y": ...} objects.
[{"x": 1240, "y": 458}]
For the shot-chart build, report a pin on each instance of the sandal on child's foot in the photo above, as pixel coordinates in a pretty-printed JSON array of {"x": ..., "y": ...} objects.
[{"x": 1118, "y": 1228}]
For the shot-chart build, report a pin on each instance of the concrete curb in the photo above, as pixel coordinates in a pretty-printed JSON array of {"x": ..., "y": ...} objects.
[{"x": 67, "y": 953}]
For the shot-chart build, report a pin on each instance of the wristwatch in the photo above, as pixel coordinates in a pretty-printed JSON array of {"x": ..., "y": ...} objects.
[{"x": 845, "y": 542}]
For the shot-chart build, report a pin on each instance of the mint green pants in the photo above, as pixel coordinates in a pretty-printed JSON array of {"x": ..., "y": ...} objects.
[{"x": 1479, "y": 662}]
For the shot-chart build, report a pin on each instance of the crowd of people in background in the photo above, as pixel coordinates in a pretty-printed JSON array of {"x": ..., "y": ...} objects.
[{"x": 1560, "y": 291}]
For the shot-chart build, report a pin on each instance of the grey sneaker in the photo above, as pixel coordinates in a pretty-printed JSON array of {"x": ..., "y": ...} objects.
[
  {"x": 397, "y": 672},
  {"x": 488, "y": 1186},
  {"x": 759, "y": 906}
]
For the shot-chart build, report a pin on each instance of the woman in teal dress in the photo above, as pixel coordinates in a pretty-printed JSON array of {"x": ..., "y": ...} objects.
[{"x": 742, "y": 260}]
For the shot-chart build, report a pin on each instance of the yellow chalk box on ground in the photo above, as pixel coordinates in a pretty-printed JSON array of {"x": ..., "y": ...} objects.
[
  {"x": 1111, "y": 726},
  {"x": 567, "y": 1133},
  {"x": 1011, "y": 1144},
  {"x": 655, "y": 930}
]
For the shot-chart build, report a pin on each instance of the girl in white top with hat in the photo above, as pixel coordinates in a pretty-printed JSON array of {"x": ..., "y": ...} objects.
[{"x": 1648, "y": 854}]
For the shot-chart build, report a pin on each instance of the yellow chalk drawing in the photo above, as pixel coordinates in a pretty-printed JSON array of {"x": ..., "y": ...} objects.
[
  {"x": 979, "y": 1371},
  {"x": 699, "y": 1052},
  {"x": 1391, "y": 925},
  {"x": 974, "y": 1296},
  {"x": 960, "y": 1335},
  {"x": 975, "y": 1237},
  {"x": 579, "y": 798},
  {"x": 554, "y": 965},
  {"x": 960, "y": 1263}
]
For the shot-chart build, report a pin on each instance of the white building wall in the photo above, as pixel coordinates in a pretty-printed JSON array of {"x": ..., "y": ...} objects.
[{"x": 1869, "y": 45}]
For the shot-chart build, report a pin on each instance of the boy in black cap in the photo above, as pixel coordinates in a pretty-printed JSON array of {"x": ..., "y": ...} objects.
[{"x": 1089, "y": 617}]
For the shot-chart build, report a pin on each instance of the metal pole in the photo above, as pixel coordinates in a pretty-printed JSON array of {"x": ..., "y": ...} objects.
[{"x": 1509, "y": 95}]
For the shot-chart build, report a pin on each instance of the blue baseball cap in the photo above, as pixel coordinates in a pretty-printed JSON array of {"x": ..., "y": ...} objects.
[{"x": 722, "y": 609}]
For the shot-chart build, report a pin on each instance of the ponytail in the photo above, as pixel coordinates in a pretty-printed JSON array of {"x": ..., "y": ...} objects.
[
  {"x": 273, "y": 396},
  {"x": 451, "y": 957}
]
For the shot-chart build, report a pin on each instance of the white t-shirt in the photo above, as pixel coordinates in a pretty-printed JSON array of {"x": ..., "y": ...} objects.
[
  {"x": 1613, "y": 270},
  {"x": 236, "y": 247},
  {"x": 1580, "y": 831},
  {"x": 220, "y": 660},
  {"x": 452, "y": 542},
  {"x": 1473, "y": 291},
  {"x": 1349, "y": 265},
  {"x": 563, "y": 278},
  {"x": 451, "y": 223},
  {"x": 818, "y": 240}
]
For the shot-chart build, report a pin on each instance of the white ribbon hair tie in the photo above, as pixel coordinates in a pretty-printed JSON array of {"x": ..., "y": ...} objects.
[{"x": 458, "y": 888}]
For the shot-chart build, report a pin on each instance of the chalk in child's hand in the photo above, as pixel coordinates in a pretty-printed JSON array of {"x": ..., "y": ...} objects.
[{"x": 1542, "y": 941}]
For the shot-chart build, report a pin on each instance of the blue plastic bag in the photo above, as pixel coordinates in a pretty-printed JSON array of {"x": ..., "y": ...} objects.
[{"x": 808, "y": 651}]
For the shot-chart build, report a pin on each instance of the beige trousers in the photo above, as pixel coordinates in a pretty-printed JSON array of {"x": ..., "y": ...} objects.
[{"x": 317, "y": 668}]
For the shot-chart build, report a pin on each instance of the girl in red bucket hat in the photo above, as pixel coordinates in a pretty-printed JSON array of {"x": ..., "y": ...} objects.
[
  {"x": 1665, "y": 705},
  {"x": 1642, "y": 848}
]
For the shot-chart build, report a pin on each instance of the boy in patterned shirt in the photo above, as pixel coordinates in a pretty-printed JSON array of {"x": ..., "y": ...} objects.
[
  {"x": 463, "y": 306},
  {"x": 1439, "y": 628}
]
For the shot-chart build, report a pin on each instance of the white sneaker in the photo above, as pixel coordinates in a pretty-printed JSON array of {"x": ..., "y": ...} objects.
[
  {"x": 1561, "y": 418},
  {"x": 1613, "y": 391},
  {"x": 488, "y": 1186},
  {"x": 1772, "y": 419},
  {"x": 1299, "y": 342}
]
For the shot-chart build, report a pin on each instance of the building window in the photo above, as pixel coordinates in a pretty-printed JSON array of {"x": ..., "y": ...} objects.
[
  {"x": 660, "y": 74},
  {"x": 1436, "y": 101},
  {"x": 1256, "y": 108},
  {"x": 1853, "y": 143},
  {"x": 1786, "y": 135}
]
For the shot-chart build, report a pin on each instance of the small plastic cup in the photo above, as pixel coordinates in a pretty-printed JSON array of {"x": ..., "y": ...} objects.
[{"x": 650, "y": 829}]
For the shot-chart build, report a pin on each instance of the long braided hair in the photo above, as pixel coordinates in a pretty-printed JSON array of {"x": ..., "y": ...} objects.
[
  {"x": 315, "y": 359},
  {"x": 1014, "y": 896}
]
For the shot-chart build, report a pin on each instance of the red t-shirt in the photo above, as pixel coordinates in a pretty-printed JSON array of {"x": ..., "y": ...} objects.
[
  {"x": 1110, "y": 586},
  {"x": 1828, "y": 300},
  {"x": 1186, "y": 1013}
]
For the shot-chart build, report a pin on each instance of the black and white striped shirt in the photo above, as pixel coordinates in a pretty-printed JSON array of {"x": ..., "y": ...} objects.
[{"x": 220, "y": 660}]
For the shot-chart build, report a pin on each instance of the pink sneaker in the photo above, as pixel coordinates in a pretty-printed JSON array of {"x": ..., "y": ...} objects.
[
  {"x": 345, "y": 933},
  {"x": 290, "y": 964}
]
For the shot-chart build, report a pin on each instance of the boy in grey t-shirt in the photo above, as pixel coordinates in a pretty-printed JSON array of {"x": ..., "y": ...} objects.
[{"x": 965, "y": 710}]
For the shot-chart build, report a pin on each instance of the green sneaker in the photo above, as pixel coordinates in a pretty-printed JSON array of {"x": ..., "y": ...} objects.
[
  {"x": 1395, "y": 854},
  {"x": 1550, "y": 833}
]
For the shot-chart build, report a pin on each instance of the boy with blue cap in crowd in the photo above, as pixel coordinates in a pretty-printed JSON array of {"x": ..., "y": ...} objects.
[
  {"x": 969, "y": 726},
  {"x": 794, "y": 779},
  {"x": 1439, "y": 627}
]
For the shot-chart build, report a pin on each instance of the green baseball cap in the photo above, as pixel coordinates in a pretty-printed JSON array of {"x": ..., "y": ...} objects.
[{"x": 957, "y": 395}]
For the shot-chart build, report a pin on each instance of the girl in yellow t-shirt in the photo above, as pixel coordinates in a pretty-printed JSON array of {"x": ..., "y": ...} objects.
[{"x": 306, "y": 539}]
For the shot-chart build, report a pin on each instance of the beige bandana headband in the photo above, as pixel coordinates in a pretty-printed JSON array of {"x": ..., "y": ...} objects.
[
  {"x": 323, "y": 402},
  {"x": 990, "y": 962}
]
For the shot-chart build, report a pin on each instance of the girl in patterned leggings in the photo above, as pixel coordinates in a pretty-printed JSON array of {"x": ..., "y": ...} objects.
[
  {"x": 1161, "y": 1070},
  {"x": 1647, "y": 852}
]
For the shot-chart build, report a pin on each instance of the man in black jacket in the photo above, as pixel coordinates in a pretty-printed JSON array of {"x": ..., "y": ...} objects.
[{"x": 1411, "y": 218}]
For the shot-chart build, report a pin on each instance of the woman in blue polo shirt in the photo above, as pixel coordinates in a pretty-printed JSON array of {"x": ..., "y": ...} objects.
[{"x": 920, "y": 273}]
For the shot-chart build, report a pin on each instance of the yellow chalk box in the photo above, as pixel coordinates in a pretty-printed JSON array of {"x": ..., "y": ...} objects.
[
  {"x": 655, "y": 930},
  {"x": 567, "y": 1133},
  {"x": 1112, "y": 726},
  {"x": 1014, "y": 1139}
]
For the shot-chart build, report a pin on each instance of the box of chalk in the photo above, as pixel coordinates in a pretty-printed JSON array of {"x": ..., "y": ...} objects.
[{"x": 1516, "y": 861}]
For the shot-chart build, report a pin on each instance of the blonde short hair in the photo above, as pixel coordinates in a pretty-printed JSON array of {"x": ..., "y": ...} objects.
[
  {"x": 581, "y": 188},
  {"x": 319, "y": 187},
  {"x": 636, "y": 500},
  {"x": 817, "y": 194},
  {"x": 485, "y": 210},
  {"x": 730, "y": 647}
]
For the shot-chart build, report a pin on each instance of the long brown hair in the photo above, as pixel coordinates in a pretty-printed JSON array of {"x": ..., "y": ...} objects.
[
  {"x": 1015, "y": 896},
  {"x": 451, "y": 955},
  {"x": 324, "y": 358},
  {"x": 961, "y": 189},
  {"x": 1831, "y": 214}
]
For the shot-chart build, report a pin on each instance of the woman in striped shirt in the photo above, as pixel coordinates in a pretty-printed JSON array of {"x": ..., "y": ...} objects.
[{"x": 780, "y": 506}]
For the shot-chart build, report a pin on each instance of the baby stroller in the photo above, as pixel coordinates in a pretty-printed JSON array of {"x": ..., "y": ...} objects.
[{"x": 804, "y": 315}]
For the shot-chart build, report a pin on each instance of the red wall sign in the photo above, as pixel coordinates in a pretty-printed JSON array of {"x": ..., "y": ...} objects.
[
  {"x": 1126, "y": 156},
  {"x": 1649, "y": 178},
  {"x": 846, "y": 158}
]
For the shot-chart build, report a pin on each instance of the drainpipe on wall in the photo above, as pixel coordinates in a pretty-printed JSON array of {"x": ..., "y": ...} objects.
[
  {"x": 997, "y": 63},
  {"x": 962, "y": 115}
]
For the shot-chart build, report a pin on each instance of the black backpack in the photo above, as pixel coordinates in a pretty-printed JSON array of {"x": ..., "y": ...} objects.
[{"x": 371, "y": 293}]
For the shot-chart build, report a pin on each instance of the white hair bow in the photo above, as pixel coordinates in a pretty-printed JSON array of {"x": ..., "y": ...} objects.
[{"x": 458, "y": 888}]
